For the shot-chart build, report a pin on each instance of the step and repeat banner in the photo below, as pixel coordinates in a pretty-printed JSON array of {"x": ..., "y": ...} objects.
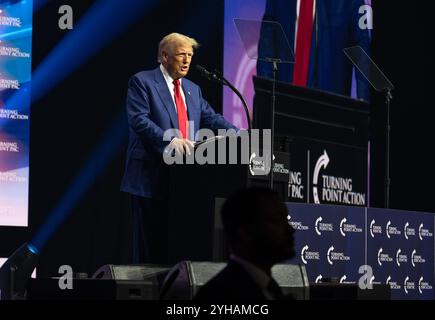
[
  {"x": 15, "y": 76},
  {"x": 336, "y": 241}
]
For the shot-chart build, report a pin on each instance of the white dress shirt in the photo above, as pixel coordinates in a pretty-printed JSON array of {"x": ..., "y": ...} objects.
[{"x": 171, "y": 86}]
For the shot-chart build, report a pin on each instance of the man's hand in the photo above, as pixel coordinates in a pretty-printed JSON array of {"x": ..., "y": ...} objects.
[{"x": 181, "y": 146}]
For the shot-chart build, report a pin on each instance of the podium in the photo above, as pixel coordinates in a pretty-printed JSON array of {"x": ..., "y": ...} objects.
[
  {"x": 195, "y": 194},
  {"x": 327, "y": 137}
]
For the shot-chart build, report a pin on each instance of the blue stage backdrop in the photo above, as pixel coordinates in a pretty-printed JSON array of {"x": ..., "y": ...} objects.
[
  {"x": 335, "y": 241},
  {"x": 15, "y": 74}
]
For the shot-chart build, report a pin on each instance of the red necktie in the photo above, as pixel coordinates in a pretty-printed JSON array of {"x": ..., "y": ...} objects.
[
  {"x": 303, "y": 43},
  {"x": 181, "y": 109}
]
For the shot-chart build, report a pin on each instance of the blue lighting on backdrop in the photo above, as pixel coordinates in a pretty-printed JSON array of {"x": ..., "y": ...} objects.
[
  {"x": 100, "y": 158},
  {"x": 102, "y": 23}
]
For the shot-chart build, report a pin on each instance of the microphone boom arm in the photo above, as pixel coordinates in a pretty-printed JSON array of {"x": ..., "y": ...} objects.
[
  {"x": 245, "y": 105},
  {"x": 221, "y": 79}
]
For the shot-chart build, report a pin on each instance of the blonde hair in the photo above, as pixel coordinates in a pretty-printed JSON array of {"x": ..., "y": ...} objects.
[{"x": 168, "y": 43}]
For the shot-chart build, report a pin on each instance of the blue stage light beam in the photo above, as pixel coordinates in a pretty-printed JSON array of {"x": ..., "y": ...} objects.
[
  {"x": 113, "y": 139},
  {"x": 103, "y": 22},
  {"x": 11, "y": 35}
]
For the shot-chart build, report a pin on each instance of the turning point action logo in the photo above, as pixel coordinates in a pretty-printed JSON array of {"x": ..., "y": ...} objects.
[
  {"x": 391, "y": 230},
  {"x": 416, "y": 258},
  {"x": 297, "y": 225},
  {"x": 422, "y": 232},
  {"x": 393, "y": 284},
  {"x": 334, "y": 189},
  {"x": 407, "y": 231},
  {"x": 374, "y": 229},
  {"x": 401, "y": 258},
  {"x": 332, "y": 256},
  {"x": 320, "y": 226},
  {"x": 383, "y": 257},
  {"x": 309, "y": 255},
  {"x": 408, "y": 285},
  {"x": 423, "y": 285},
  {"x": 345, "y": 227}
]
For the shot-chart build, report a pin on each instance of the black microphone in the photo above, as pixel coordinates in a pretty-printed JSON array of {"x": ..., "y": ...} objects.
[{"x": 209, "y": 75}]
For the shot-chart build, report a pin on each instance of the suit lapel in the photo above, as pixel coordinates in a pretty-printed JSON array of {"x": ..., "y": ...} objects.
[{"x": 165, "y": 95}]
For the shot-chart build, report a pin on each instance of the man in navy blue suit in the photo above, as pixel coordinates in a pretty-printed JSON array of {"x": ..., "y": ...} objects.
[
  {"x": 159, "y": 100},
  {"x": 318, "y": 31}
]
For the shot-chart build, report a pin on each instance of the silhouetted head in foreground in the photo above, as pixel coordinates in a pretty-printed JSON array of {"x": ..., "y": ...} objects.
[{"x": 255, "y": 221}]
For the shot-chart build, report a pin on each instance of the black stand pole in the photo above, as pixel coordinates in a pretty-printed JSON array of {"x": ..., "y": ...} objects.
[
  {"x": 387, "y": 155},
  {"x": 272, "y": 160}
]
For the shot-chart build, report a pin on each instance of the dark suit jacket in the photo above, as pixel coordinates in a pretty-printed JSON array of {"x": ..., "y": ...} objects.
[
  {"x": 338, "y": 28},
  {"x": 233, "y": 283},
  {"x": 151, "y": 111}
]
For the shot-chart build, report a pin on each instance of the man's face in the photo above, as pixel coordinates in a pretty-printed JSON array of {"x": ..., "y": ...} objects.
[
  {"x": 272, "y": 236},
  {"x": 178, "y": 61}
]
